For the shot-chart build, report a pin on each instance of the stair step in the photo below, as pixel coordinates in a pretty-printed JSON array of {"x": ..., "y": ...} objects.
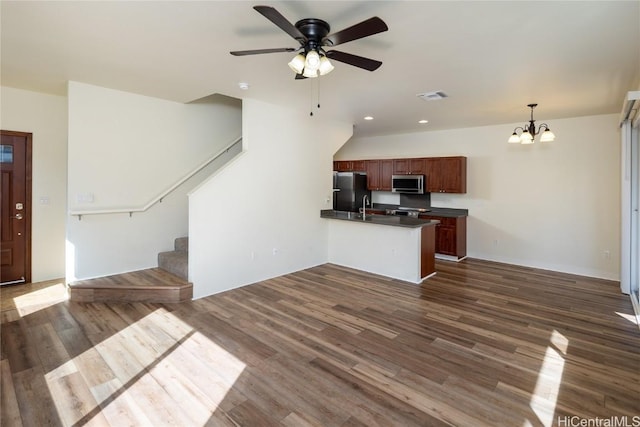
[
  {"x": 151, "y": 285},
  {"x": 175, "y": 262},
  {"x": 181, "y": 244}
]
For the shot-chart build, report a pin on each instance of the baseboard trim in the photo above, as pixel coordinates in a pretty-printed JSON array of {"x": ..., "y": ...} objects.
[
  {"x": 636, "y": 310},
  {"x": 449, "y": 257}
]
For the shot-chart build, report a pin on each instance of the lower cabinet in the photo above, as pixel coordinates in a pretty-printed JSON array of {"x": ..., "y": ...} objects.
[{"x": 451, "y": 235}]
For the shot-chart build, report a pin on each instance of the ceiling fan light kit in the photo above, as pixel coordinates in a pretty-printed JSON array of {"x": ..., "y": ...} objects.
[
  {"x": 528, "y": 132},
  {"x": 297, "y": 63},
  {"x": 311, "y": 64},
  {"x": 313, "y": 36},
  {"x": 325, "y": 66}
]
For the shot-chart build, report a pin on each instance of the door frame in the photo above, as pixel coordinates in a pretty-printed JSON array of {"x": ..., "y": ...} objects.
[{"x": 28, "y": 197}]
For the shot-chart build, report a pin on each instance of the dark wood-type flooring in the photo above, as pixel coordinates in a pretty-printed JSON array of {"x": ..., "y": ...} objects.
[{"x": 479, "y": 344}]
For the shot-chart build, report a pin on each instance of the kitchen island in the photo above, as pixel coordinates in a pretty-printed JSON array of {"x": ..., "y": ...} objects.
[{"x": 399, "y": 247}]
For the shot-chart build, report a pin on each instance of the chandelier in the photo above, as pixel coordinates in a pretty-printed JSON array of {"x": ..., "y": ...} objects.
[{"x": 528, "y": 132}]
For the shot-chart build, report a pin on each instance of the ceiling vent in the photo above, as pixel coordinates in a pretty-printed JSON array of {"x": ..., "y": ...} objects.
[{"x": 432, "y": 96}]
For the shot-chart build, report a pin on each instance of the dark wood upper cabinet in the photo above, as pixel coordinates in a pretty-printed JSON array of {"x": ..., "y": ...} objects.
[
  {"x": 446, "y": 174},
  {"x": 386, "y": 171},
  {"x": 350, "y": 165},
  {"x": 373, "y": 174},
  {"x": 442, "y": 174},
  {"x": 379, "y": 174},
  {"x": 408, "y": 166},
  {"x": 359, "y": 165}
]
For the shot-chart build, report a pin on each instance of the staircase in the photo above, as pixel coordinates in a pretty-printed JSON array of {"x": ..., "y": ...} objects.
[
  {"x": 177, "y": 260},
  {"x": 166, "y": 284}
]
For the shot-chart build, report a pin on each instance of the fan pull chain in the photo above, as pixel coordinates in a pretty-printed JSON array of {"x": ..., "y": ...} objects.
[
  {"x": 315, "y": 82},
  {"x": 311, "y": 112}
]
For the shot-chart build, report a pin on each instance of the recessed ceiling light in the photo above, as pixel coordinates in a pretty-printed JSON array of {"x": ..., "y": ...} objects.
[
  {"x": 243, "y": 85},
  {"x": 368, "y": 118},
  {"x": 423, "y": 121}
]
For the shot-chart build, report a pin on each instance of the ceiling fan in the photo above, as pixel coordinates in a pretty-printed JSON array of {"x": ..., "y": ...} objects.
[{"x": 313, "y": 36}]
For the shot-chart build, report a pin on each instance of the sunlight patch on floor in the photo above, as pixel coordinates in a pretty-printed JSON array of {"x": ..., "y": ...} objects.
[
  {"x": 153, "y": 371},
  {"x": 630, "y": 317},
  {"x": 37, "y": 300},
  {"x": 545, "y": 395}
]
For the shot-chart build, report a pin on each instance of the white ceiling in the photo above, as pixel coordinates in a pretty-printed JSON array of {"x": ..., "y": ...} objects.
[{"x": 573, "y": 58}]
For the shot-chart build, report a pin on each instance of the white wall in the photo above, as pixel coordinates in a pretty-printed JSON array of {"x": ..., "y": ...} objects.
[
  {"x": 554, "y": 206},
  {"x": 45, "y": 116},
  {"x": 260, "y": 217},
  {"x": 124, "y": 150}
]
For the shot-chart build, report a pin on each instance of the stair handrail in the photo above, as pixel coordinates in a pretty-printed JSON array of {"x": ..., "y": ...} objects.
[{"x": 159, "y": 198}]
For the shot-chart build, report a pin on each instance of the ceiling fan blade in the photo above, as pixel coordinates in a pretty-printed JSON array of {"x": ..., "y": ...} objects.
[
  {"x": 366, "y": 28},
  {"x": 276, "y": 17},
  {"x": 260, "y": 51},
  {"x": 355, "y": 60}
]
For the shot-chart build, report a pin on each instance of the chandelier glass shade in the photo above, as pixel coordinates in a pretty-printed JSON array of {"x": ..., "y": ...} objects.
[
  {"x": 311, "y": 64},
  {"x": 528, "y": 132}
]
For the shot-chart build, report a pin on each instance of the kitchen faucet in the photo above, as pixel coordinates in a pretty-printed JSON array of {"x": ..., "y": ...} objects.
[{"x": 365, "y": 202}]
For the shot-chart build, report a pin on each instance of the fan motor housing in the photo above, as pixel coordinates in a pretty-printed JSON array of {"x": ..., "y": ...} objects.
[{"x": 314, "y": 29}]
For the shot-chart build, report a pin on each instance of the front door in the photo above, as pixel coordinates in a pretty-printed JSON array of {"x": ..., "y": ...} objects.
[{"x": 15, "y": 207}]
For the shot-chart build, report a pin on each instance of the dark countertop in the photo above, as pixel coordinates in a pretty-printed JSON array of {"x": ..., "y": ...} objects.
[
  {"x": 395, "y": 221},
  {"x": 435, "y": 211},
  {"x": 448, "y": 212}
]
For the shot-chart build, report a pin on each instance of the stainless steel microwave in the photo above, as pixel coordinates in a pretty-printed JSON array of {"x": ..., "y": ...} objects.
[{"x": 413, "y": 184}]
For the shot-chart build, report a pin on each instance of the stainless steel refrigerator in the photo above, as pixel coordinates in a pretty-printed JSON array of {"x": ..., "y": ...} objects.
[{"x": 348, "y": 190}]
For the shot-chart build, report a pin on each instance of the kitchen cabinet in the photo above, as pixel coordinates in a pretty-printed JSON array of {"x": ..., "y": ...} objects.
[
  {"x": 446, "y": 174},
  {"x": 349, "y": 165},
  {"x": 409, "y": 166},
  {"x": 379, "y": 174},
  {"x": 442, "y": 174},
  {"x": 451, "y": 236}
]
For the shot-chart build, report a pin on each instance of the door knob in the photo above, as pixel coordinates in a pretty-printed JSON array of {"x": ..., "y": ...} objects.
[{"x": 18, "y": 216}]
